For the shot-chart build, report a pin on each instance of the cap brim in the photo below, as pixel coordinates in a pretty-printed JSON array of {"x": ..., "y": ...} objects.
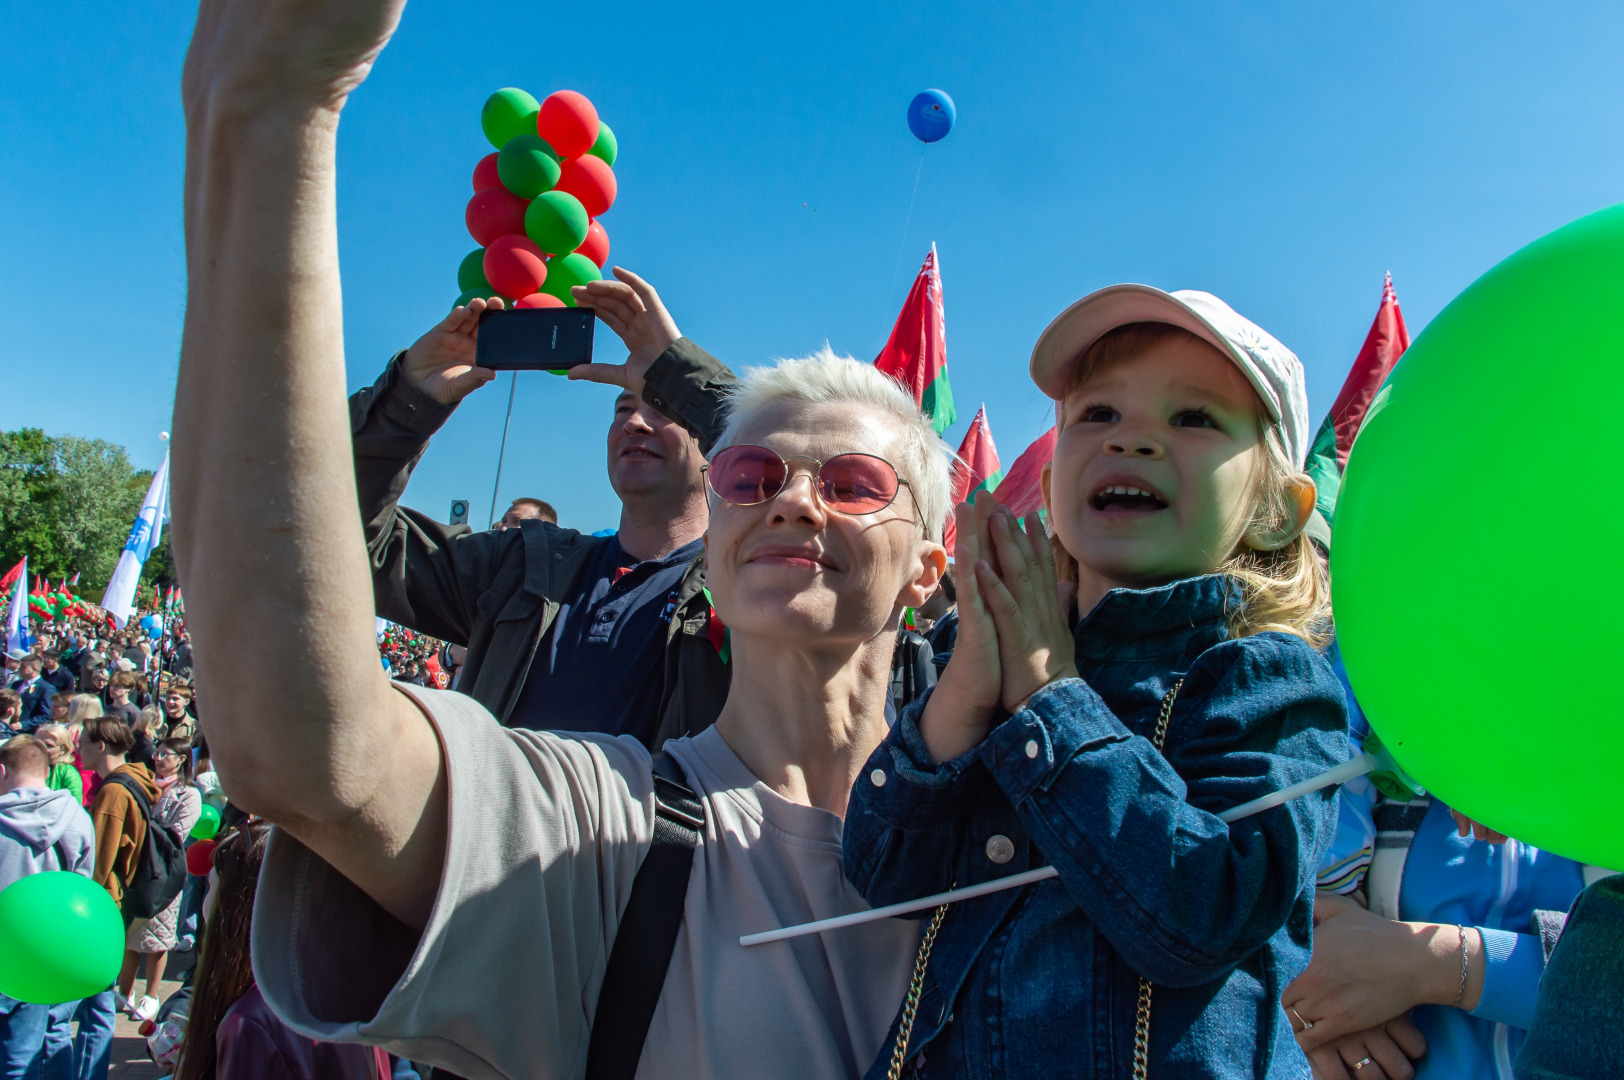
[{"x": 1097, "y": 314}]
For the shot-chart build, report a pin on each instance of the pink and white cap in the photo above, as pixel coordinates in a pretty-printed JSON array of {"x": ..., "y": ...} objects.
[{"x": 1273, "y": 370}]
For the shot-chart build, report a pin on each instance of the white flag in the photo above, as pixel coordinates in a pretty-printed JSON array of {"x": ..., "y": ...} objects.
[
  {"x": 119, "y": 599},
  {"x": 17, "y": 635}
]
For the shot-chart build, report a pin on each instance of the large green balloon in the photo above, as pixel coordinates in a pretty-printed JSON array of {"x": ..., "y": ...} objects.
[
  {"x": 606, "y": 147},
  {"x": 471, "y": 274},
  {"x": 208, "y": 824},
  {"x": 557, "y": 222},
  {"x": 507, "y": 113},
  {"x": 79, "y": 955},
  {"x": 527, "y": 165},
  {"x": 566, "y": 271},
  {"x": 1477, "y": 599}
]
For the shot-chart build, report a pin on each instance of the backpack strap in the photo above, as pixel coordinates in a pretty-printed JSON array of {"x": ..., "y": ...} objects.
[
  {"x": 1396, "y": 823},
  {"x": 142, "y": 803},
  {"x": 648, "y": 929}
]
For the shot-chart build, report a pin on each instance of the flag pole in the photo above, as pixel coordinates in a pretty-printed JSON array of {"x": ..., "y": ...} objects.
[{"x": 513, "y": 388}]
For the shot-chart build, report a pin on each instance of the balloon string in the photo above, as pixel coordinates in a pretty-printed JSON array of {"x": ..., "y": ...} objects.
[
  {"x": 897, "y": 269},
  {"x": 502, "y": 453}
]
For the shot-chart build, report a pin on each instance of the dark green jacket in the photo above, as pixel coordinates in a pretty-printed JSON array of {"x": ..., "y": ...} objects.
[{"x": 497, "y": 593}]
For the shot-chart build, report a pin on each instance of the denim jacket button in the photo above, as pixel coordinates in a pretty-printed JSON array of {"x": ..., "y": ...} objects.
[
  {"x": 877, "y": 777},
  {"x": 999, "y": 848},
  {"x": 1031, "y": 748}
]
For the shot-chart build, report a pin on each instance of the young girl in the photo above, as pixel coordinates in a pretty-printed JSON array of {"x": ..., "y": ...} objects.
[{"x": 1108, "y": 748}]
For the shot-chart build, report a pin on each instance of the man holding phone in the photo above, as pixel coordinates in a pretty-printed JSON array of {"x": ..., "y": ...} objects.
[{"x": 564, "y": 631}]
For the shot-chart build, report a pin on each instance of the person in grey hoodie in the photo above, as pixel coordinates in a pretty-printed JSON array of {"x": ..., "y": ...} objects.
[{"x": 40, "y": 830}]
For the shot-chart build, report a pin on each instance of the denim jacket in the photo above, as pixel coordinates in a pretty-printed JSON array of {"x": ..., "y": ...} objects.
[{"x": 1043, "y": 980}]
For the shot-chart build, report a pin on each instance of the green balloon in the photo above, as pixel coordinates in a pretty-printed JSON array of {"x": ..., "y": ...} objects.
[
  {"x": 606, "y": 147},
  {"x": 471, "y": 274},
  {"x": 527, "y": 165},
  {"x": 557, "y": 222},
  {"x": 566, "y": 271},
  {"x": 1475, "y": 601},
  {"x": 80, "y": 955},
  {"x": 508, "y": 112},
  {"x": 208, "y": 824},
  {"x": 484, "y": 292}
]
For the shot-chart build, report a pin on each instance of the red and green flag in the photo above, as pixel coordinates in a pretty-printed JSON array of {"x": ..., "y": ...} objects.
[
  {"x": 1328, "y": 455},
  {"x": 916, "y": 353},
  {"x": 975, "y": 469},
  {"x": 1021, "y": 489}
]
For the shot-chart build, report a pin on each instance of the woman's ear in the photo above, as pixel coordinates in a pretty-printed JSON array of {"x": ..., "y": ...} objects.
[
  {"x": 932, "y": 565},
  {"x": 1300, "y": 496}
]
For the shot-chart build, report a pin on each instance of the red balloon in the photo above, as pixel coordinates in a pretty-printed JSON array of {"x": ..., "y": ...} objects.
[
  {"x": 568, "y": 122},
  {"x": 589, "y": 179},
  {"x": 540, "y": 299},
  {"x": 485, "y": 173},
  {"x": 200, "y": 858},
  {"x": 515, "y": 266},
  {"x": 596, "y": 244},
  {"x": 495, "y": 212}
]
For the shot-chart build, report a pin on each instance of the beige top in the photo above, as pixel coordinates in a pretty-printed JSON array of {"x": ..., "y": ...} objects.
[{"x": 546, "y": 834}]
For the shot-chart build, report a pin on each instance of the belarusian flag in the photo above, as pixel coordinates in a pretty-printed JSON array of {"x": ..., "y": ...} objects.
[
  {"x": 1385, "y": 343},
  {"x": 1021, "y": 489},
  {"x": 916, "y": 354},
  {"x": 18, "y": 571},
  {"x": 976, "y": 468}
]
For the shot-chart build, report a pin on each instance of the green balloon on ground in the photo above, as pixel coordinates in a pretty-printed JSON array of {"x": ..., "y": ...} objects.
[
  {"x": 566, "y": 271},
  {"x": 606, "y": 147},
  {"x": 208, "y": 823},
  {"x": 1476, "y": 599},
  {"x": 471, "y": 274},
  {"x": 81, "y": 953},
  {"x": 507, "y": 113},
  {"x": 527, "y": 166},
  {"x": 557, "y": 222}
]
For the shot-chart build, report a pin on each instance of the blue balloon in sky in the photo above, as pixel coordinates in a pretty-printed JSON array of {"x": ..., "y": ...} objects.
[{"x": 930, "y": 115}]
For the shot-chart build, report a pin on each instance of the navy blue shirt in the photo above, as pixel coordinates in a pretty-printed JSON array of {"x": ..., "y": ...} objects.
[{"x": 602, "y": 664}]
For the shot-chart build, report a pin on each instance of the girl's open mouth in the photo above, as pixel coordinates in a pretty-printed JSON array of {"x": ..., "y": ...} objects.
[{"x": 1126, "y": 498}]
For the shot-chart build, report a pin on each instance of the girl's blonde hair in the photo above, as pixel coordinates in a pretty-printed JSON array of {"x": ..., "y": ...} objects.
[
  {"x": 83, "y": 707},
  {"x": 1284, "y": 590}
]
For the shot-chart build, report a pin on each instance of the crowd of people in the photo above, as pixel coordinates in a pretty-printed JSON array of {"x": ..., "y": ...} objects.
[{"x": 524, "y": 835}]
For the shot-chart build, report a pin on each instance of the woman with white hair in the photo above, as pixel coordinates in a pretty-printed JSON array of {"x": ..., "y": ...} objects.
[{"x": 449, "y": 889}]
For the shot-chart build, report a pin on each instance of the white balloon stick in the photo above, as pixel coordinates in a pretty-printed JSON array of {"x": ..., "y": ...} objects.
[{"x": 1339, "y": 774}]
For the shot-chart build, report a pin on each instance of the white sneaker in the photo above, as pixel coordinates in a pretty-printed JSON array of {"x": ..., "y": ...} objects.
[{"x": 145, "y": 1009}]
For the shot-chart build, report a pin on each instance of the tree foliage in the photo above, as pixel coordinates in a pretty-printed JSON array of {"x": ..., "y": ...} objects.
[{"x": 67, "y": 503}]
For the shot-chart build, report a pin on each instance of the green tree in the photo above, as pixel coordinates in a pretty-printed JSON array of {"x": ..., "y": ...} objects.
[{"x": 67, "y": 504}]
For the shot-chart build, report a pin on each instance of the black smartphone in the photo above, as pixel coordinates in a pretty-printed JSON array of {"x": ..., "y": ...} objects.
[{"x": 534, "y": 339}]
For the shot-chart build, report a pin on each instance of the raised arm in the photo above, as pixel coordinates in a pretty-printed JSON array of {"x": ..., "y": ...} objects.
[{"x": 268, "y": 540}]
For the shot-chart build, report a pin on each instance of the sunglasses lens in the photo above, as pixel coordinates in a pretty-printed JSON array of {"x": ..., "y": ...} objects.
[
  {"x": 857, "y": 483},
  {"x": 746, "y": 474}
]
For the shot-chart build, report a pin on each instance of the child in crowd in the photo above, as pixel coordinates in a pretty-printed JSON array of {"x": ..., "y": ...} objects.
[{"x": 1108, "y": 748}]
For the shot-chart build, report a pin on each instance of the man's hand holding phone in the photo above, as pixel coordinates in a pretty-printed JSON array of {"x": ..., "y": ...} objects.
[
  {"x": 441, "y": 362},
  {"x": 630, "y": 307}
]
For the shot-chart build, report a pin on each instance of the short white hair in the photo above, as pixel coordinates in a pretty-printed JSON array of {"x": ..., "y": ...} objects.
[{"x": 827, "y": 378}]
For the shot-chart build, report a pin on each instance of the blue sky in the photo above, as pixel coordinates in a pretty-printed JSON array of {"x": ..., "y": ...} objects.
[{"x": 1281, "y": 155}]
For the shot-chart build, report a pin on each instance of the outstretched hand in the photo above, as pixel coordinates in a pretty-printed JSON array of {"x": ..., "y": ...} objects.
[
  {"x": 632, "y": 309},
  {"x": 1029, "y": 605},
  {"x": 441, "y": 362},
  {"x": 961, "y": 711}
]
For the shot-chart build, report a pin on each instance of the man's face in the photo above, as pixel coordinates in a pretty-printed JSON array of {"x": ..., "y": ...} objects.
[
  {"x": 516, "y": 513},
  {"x": 98, "y": 679},
  {"x": 174, "y": 704},
  {"x": 11, "y": 664},
  {"x": 28, "y": 670},
  {"x": 649, "y": 454},
  {"x": 50, "y": 663},
  {"x": 118, "y": 694},
  {"x": 93, "y": 754}
]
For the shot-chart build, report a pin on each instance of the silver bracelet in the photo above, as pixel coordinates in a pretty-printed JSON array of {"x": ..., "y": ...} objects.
[{"x": 1465, "y": 961}]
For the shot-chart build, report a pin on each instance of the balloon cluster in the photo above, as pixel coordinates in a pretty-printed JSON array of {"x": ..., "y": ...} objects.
[
  {"x": 537, "y": 200},
  {"x": 57, "y": 604}
]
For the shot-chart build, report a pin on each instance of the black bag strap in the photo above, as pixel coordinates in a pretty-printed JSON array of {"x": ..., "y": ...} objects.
[
  {"x": 648, "y": 929},
  {"x": 129, "y": 784}
]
